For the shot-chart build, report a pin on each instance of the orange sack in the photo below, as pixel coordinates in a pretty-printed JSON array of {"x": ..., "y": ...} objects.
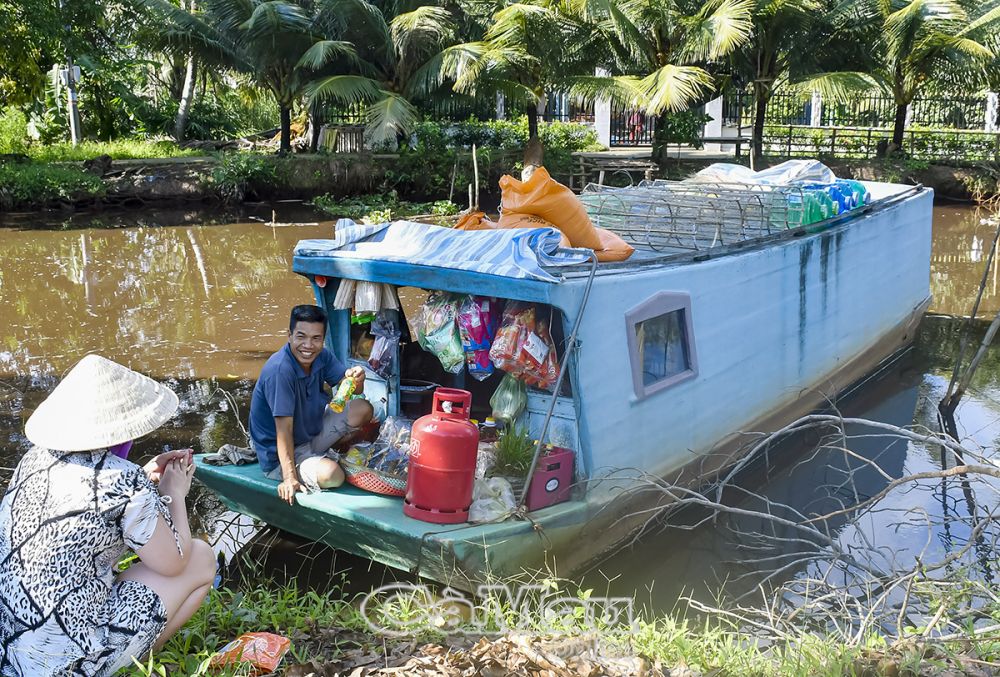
[
  {"x": 475, "y": 221},
  {"x": 546, "y": 198},
  {"x": 613, "y": 248},
  {"x": 531, "y": 221}
]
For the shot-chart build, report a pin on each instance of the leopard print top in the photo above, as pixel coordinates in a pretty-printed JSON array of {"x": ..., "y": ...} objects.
[{"x": 65, "y": 521}]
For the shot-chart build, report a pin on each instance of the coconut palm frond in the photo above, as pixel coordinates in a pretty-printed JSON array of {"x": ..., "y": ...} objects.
[
  {"x": 270, "y": 19},
  {"x": 427, "y": 24},
  {"x": 387, "y": 117},
  {"x": 344, "y": 89},
  {"x": 464, "y": 64},
  {"x": 989, "y": 20},
  {"x": 589, "y": 88},
  {"x": 838, "y": 87},
  {"x": 510, "y": 24},
  {"x": 673, "y": 88},
  {"x": 951, "y": 46},
  {"x": 325, "y": 51},
  {"x": 719, "y": 28}
]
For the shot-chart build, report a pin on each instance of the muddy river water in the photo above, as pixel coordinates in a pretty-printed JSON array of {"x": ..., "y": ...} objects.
[{"x": 200, "y": 299}]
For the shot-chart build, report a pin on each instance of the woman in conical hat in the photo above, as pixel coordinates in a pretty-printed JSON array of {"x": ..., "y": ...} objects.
[{"x": 74, "y": 506}]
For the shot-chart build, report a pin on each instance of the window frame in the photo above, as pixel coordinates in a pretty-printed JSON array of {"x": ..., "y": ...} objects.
[{"x": 660, "y": 303}]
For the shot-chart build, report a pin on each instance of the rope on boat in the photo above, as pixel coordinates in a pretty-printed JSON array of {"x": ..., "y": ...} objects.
[{"x": 570, "y": 346}]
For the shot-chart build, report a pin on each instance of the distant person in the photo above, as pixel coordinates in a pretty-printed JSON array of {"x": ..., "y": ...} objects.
[
  {"x": 74, "y": 507},
  {"x": 291, "y": 426},
  {"x": 636, "y": 124}
]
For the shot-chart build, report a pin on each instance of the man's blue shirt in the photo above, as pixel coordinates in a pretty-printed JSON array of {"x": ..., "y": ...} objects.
[{"x": 284, "y": 389}]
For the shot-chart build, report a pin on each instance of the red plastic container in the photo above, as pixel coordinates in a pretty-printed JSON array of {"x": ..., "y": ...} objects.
[
  {"x": 552, "y": 479},
  {"x": 443, "y": 448}
]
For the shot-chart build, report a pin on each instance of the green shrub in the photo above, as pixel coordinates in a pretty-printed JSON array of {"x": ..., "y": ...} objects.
[
  {"x": 436, "y": 161},
  {"x": 237, "y": 174},
  {"x": 31, "y": 184},
  {"x": 382, "y": 207},
  {"x": 13, "y": 131}
]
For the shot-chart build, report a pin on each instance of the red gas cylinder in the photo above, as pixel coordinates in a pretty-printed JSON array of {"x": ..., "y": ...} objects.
[{"x": 442, "y": 470}]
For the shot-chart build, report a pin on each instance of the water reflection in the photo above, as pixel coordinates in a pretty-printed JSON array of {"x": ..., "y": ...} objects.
[
  {"x": 192, "y": 302},
  {"x": 962, "y": 240}
]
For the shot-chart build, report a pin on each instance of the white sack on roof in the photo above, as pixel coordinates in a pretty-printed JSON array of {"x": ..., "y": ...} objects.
[{"x": 793, "y": 171}]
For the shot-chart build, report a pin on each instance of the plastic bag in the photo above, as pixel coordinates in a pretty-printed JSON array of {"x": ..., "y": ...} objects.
[
  {"x": 524, "y": 347},
  {"x": 486, "y": 458},
  {"x": 477, "y": 325},
  {"x": 262, "y": 650},
  {"x": 492, "y": 500},
  {"x": 518, "y": 320},
  {"x": 539, "y": 365},
  {"x": 438, "y": 331},
  {"x": 344, "y": 300},
  {"x": 383, "y": 354},
  {"x": 510, "y": 399},
  {"x": 367, "y": 298},
  {"x": 391, "y": 450}
]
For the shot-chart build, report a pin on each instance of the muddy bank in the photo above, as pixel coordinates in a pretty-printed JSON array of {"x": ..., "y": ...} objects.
[{"x": 237, "y": 178}]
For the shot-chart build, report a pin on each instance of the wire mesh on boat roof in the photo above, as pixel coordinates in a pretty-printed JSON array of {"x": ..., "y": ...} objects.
[{"x": 670, "y": 215}]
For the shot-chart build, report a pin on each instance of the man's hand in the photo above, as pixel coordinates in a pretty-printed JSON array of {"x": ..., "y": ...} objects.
[
  {"x": 154, "y": 469},
  {"x": 358, "y": 375},
  {"x": 287, "y": 489}
]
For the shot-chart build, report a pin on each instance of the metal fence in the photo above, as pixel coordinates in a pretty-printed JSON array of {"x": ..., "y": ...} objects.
[
  {"x": 632, "y": 128},
  {"x": 871, "y": 110},
  {"x": 865, "y": 142}
]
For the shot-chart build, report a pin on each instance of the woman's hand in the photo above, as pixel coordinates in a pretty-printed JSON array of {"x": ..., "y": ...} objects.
[
  {"x": 176, "y": 478},
  {"x": 154, "y": 469},
  {"x": 288, "y": 488}
]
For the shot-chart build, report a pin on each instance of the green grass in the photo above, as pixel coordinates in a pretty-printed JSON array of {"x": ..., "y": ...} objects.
[
  {"x": 283, "y": 609},
  {"x": 122, "y": 149},
  {"x": 33, "y": 184}
]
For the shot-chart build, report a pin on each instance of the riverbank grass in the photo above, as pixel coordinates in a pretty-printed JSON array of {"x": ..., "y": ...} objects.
[
  {"x": 329, "y": 632},
  {"x": 120, "y": 149}
]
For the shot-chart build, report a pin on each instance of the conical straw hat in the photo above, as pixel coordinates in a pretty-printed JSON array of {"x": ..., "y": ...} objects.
[{"x": 98, "y": 404}]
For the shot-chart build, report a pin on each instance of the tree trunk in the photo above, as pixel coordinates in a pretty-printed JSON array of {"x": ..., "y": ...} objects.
[
  {"x": 286, "y": 130},
  {"x": 761, "y": 97},
  {"x": 532, "y": 121},
  {"x": 899, "y": 126},
  {"x": 187, "y": 101}
]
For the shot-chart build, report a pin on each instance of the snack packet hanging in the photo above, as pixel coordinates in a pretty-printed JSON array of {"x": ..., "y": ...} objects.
[
  {"x": 539, "y": 366},
  {"x": 518, "y": 321},
  {"x": 477, "y": 327},
  {"x": 438, "y": 333}
]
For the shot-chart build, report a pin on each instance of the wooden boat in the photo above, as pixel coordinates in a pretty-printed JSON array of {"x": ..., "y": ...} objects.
[{"x": 700, "y": 337}]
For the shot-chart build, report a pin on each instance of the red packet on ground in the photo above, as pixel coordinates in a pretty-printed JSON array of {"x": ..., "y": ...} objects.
[{"x": 263, "y": 652}]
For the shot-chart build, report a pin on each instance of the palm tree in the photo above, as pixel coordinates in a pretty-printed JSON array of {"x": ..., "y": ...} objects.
[
  {"x": 399, "y": 63},
  {"x": 277, "y": 43},
  {"x": 922, "y": 38},
  {"x": 530, "y": 48},
  {"x": 801, "y": 45},
  {"x": 669, "y": 51}
]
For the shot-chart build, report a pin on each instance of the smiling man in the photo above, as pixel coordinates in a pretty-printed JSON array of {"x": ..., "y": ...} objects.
[{"x": 291, "y": 426}]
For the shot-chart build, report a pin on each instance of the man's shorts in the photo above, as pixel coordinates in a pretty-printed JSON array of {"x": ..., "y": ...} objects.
[{"x": 308, "y": 454}]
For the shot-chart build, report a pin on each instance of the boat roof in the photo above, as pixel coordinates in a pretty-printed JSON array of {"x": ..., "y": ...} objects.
[{"x": 675, "y": 224}]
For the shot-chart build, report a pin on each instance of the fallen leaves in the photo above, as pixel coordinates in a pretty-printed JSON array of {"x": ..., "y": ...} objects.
[{"x": 512, "y": 654}]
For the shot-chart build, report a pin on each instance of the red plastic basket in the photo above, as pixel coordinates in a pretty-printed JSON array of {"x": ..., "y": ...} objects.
[{"x": 374, "y": 481}]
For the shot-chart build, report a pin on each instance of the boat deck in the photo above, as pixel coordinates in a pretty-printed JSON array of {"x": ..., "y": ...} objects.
[{"x": 374, "y": 526}]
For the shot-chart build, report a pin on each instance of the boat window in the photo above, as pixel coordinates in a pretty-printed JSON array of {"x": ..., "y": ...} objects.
[{"x": 661, "y": 343}]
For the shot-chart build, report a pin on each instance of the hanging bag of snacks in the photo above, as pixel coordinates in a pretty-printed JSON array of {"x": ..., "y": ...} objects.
[{"x": 438, "y": 331}]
